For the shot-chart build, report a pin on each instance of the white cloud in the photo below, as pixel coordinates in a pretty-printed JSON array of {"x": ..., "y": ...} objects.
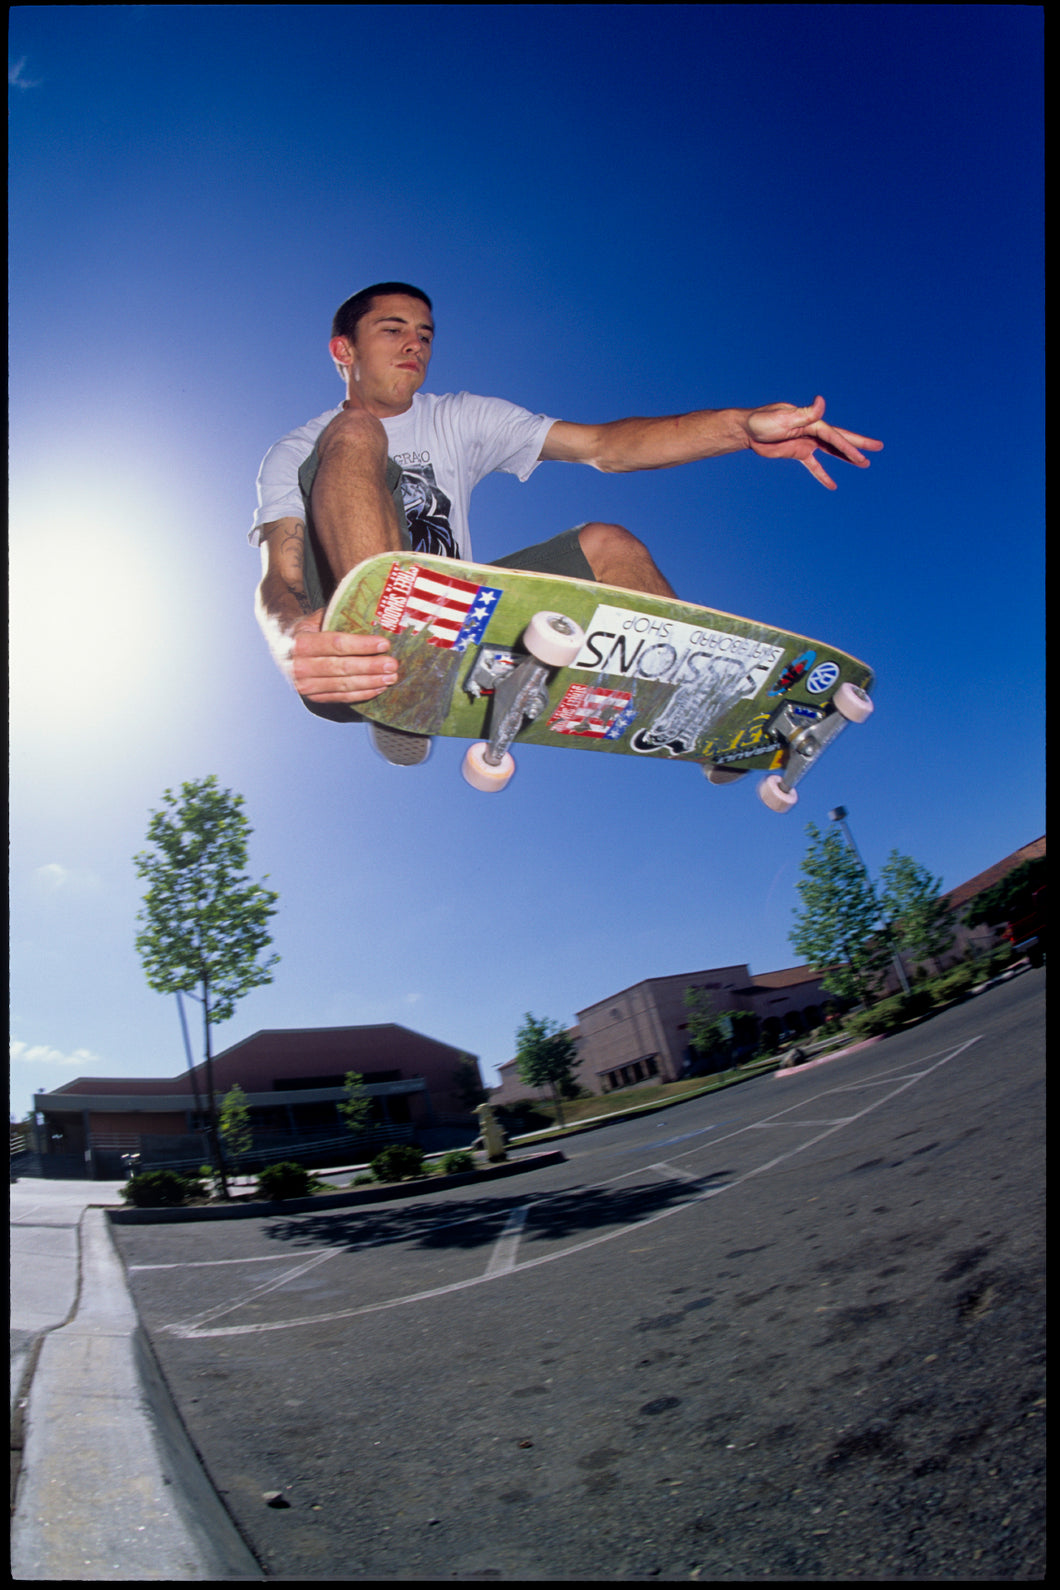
[
  {"x": 44, "y": 1054},
  {"x": 53, "y": 876},
  {"x": 16, "y": 76}
]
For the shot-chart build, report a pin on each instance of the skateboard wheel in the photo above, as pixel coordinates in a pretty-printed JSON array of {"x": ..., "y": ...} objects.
[
  {"x": 724, "y": 775},
  {"x": 480, "y": 775},
  {"x": 775, "y": 796},
  {"x": 852, "y": 703},
  {"x": 553, "y": 639}
]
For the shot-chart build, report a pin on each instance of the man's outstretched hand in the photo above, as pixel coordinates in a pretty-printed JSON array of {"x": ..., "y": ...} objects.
[{"x": 781, "y": 430}]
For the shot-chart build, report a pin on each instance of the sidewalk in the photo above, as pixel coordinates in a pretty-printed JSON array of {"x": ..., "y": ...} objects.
[
  {"x": 109, "y": 1487},
  {"x": 106, "y": 1483}
]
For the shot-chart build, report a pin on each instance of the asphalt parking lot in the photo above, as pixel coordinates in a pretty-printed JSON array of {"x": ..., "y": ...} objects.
[{"x": 791, "y": 1330}]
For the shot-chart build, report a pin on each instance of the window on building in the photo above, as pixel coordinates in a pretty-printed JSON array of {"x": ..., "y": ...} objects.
[{"x": 628, "y": 1076}]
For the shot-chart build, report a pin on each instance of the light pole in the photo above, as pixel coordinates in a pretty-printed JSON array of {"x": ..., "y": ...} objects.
[{"x": 839, "y": 815}]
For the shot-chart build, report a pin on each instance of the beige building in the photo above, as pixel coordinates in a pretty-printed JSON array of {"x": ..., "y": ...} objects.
[{"x": 641, "y": 1034}]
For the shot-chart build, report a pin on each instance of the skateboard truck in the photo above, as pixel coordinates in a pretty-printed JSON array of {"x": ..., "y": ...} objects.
[
  {"x": 803, "y": 733},
  {"x": 520, "y": 694}
]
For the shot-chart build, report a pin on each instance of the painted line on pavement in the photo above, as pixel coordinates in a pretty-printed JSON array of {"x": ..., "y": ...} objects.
[
  {"x": 502, "y": 1259},
  {"x": 192, "y": 1330}
]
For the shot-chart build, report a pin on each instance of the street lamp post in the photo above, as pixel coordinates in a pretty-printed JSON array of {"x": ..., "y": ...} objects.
[{"x": 839, "y": 815}]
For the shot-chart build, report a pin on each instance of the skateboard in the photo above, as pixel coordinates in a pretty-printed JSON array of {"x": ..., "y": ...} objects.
[{"x": 496, "y": 655}]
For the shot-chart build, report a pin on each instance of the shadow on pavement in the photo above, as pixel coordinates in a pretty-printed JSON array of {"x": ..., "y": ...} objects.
[{"x": 454, "y": 1225}]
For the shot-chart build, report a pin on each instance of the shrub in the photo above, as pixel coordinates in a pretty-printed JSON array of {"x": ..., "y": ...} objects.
[
  {"x": 890, "y": 1013},
  {"x": 957, "y": 981},
  {"x": 529, "y": 1115},
  {"x": 397, "y": 1161},
  {"x": 288, "y": 1179},
  {"x": 457, "y": 1160},
  {"x": 161, "y": 1189}
]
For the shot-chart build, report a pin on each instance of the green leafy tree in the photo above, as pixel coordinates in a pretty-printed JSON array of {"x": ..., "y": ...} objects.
[
  {"x": 204, "y": 922},
  {"x": 838, "y": 930},
  {"x": 234, "y": 1124},
  {"x": 545, "y": 1055},
  {"x": 709, "y": 1031},
  {"x": 356, "y": 1107},
  {"x": 1010, "y": 899},
  {"x": 921, "y": 920}
]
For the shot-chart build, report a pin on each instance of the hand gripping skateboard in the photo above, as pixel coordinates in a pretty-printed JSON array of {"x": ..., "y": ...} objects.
[{"x": 496, "y": 655}]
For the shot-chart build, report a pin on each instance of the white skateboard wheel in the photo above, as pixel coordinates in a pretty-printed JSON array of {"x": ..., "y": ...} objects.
[
  {"x": 553, "y": 639},
  {"x": 481, "y": 775},
  {"x": 773, "y": 795},
  {"x": 852, "y": 703}
]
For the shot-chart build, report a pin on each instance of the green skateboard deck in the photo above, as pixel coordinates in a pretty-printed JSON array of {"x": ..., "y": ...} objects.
[{"x": 501, "y": 655}]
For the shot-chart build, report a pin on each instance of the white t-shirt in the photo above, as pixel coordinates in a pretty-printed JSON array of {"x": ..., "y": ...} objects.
[{"x": 444, "y": 444}]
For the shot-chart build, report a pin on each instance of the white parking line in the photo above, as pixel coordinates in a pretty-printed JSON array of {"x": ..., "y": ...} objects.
[
  {"x": 192, "y": 1328},
  {"x": 502, "y": 1259},
  {"x": 828, "y": 1120},
  {"x": 675, "y": 1172}
]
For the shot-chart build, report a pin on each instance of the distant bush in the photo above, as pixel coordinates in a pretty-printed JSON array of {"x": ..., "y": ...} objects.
[
  {"x": 161, "y": 1189},
  {"x": 397, "y": 1161},
  {"x": 890, "y": 1013},
  {"x": 958, "y": 980},
  {"x": 288, "y": 1179},
  {"x": 457, "y": 1160},
  {"x": 529, "y": 1115}
]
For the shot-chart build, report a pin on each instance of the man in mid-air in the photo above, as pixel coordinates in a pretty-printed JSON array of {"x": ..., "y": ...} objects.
[{"x": 394, "y": 467}]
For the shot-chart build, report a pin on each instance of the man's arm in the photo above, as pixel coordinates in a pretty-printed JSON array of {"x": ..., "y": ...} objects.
[
  {"x": 322, "y": 666},
  {"x": 779, "y": 430}
]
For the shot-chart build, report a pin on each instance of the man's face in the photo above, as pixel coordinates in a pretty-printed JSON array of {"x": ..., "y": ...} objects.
[{"x": 387, "y": 361}]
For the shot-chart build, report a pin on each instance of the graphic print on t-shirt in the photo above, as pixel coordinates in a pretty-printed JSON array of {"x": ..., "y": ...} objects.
[{"x": 427, "y": 509}]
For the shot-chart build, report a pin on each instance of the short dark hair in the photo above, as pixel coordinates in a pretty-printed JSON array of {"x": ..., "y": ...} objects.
[{"x": 349, "y": 314}]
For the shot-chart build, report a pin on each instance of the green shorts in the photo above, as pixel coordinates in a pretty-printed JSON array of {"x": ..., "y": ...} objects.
[{"x": 562, "y": 555}]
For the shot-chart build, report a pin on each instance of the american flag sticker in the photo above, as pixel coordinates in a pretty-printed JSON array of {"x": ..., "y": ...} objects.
[
  {"x": 591, "y": 710},
  {"x": 453, "y": 612}
]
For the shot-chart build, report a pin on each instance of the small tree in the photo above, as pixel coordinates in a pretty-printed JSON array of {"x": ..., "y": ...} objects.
[
  {"x": 204, "y": 922},
  {"x": 921, "y": 920},
  {"x": 545, "y": 1055},
  {"x": 839, "y": 931},
  {"x": 356, "y": 1107},
  {"x": 708, "y": 1030},
  {"x": 235, "y": 1124}
]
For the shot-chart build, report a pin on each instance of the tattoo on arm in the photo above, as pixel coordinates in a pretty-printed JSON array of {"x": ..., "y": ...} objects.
[
  {"x": 292, "y": 564},
  {"x": 292, "y": 550}
]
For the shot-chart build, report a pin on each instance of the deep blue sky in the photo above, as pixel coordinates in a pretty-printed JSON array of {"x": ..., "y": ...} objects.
[{"x": 617, "y": 210}]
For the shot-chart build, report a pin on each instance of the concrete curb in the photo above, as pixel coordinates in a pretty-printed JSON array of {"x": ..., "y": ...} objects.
[
  {"x": 822, "y": 1060},
  {"x": 303, "y": 1206},
  {"x": 111, "y": 1486},
  {"x": 615, "y": 1117}
]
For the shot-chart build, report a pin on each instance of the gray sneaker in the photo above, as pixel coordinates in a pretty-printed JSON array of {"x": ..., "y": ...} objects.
[{"x": 399, "y": 747}]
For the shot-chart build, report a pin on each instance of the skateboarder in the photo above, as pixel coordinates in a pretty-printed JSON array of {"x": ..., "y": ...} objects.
[{"x": 394, "y": 467}]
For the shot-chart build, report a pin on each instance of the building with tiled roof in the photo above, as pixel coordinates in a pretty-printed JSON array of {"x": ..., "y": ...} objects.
[
  {"x": 965, "y": 892},
  {"x": 641, "y": 1034},
  {"x": 293, "y": 1081}
]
